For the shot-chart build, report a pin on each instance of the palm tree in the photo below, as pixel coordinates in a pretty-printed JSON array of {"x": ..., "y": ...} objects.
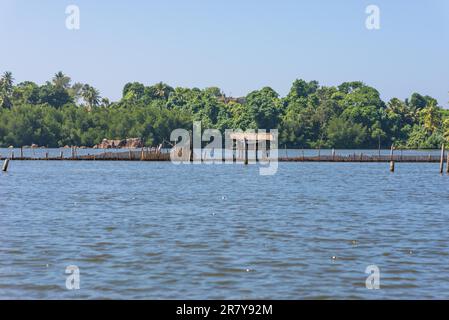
[
  {"x": 75, "y": 91},
  {"x": 6, "y": 88},
  {"x": 60, "y": 80},
  {"x": 400, "y": 108},
  {"x": 91, "y": 96},
  {"x": 446, "y": 129},
  {"x": 162, "y": 90},
  {"x": 105, "y": 102},
  {"x": 6, "y": 82},
  {"x": 431, "y": 116}
]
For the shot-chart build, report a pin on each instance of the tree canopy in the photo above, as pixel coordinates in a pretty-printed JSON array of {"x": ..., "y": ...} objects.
[{"x": 351, "y": 115}]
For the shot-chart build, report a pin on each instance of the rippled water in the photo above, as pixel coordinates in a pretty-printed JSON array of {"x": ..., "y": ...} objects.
[{"x": 155, "y": 230}]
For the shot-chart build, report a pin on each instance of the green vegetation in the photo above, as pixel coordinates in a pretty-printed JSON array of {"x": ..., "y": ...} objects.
[{"x": 351, "y": 115}]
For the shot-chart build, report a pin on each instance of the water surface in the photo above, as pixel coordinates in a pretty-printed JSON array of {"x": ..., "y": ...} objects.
[{"x": 143, "y": 230}]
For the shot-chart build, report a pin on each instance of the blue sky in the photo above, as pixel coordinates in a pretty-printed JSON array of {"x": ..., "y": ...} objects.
[{"x": 238, "y": 46}]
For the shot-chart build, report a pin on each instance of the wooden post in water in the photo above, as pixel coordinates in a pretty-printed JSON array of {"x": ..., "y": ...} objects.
[
  {"x": 130, "y": 155},
  {"x": 246, "y": 151},
  {"x": 191, "y": 147},
  {"x": 391, "y": 158},
  {"x": 46, "y": 155},
  {"x": 61, "y": 155},
  {"x": 21, "y": 152},
  {"x": 5, "y": 165},
  {"x": 256, "y": 147},
  {"x": 442, "y": 159},
  {"x": 447, "y": 164},
  {"x": 238, "y": 155},
  {"x": 333, "y": 154},
  {"x": 379, "y": 146}
]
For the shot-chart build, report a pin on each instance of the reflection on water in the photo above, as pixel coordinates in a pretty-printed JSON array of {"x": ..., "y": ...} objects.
[{"x": 156, "y": 230}]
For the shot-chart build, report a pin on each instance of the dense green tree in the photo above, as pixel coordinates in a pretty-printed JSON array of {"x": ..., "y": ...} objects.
[
  {"x": 265, "y": 107},
  {"x": 133, "y": 91},
  {"x": 349, "y": 87},
  {"x": 302, "y": 89},
  {"x": 54, "y": 96},
  {"x": 417, "y": 101},
  {"x": 345, "y": 134},
  {"x": 26, "y": 93}
]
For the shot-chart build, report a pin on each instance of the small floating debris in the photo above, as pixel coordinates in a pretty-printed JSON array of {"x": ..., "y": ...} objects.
[{"x": 334, "y": 258}]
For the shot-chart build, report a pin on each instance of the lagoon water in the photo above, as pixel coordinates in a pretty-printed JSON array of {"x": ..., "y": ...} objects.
[{"x": 143, "y": 230}]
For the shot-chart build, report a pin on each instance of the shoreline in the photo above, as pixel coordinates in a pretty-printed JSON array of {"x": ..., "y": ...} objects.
[
  {"x": 150, "y": 154},
  {"x": 165, "y": 158}
]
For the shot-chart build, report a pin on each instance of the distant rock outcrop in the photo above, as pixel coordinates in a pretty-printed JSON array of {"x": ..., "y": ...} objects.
[{"x": 131, "y": 143}]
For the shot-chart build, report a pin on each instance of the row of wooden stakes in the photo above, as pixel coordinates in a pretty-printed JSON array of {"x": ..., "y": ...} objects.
[{"x": 392, "y": 163}]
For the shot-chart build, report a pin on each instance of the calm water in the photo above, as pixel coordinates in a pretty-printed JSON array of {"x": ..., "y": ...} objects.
[
  {"x": 67, "y": 153},
  {"x": 156, "y": 230}
]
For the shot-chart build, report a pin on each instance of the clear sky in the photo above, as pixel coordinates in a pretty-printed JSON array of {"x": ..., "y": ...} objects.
[{"x": 237, "y": 45}]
